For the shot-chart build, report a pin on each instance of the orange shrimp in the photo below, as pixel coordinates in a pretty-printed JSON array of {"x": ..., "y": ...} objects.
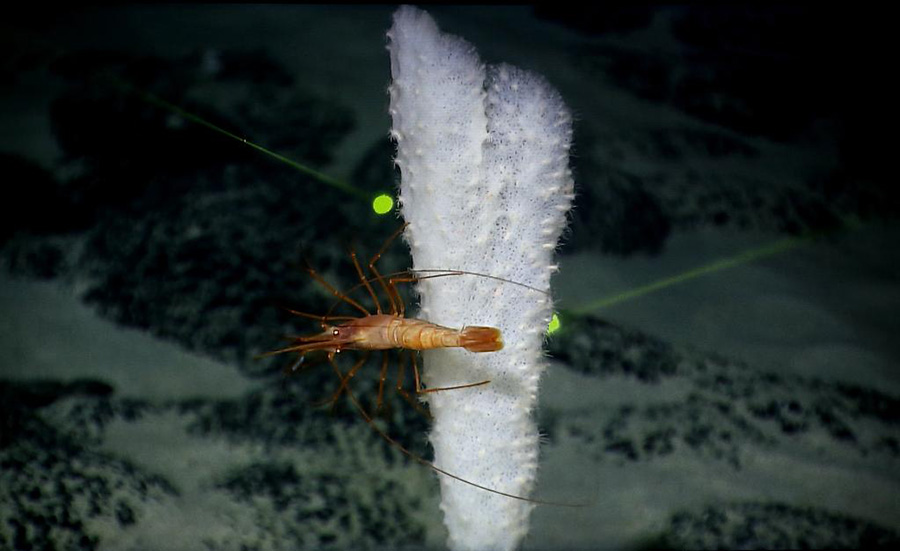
[
  {"x": 388, "y": 331},
  {"x": 384, "y": 332}
]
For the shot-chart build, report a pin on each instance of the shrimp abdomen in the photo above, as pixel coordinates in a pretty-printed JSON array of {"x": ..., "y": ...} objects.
[{"x": 417, "y": 334}]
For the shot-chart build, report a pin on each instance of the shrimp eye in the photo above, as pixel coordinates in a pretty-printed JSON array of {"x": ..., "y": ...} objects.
[{"x": 336, "y": 333}]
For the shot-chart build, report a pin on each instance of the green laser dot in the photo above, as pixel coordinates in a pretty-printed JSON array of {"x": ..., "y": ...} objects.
[
  {"x": 382, "y": 204},
  {"x": 554, "y": 325}
]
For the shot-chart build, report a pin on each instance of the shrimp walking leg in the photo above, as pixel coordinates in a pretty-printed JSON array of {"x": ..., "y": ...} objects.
[
  {"x": 398, "y": 308},
  {"x": 345, "y": 380},
  {"x": 397, "y": 305}
]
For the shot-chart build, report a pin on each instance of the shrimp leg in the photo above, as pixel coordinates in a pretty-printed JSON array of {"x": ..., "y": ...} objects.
[
  {"x": 398, "y": 307},
  {"x": 345, "y": 381}
]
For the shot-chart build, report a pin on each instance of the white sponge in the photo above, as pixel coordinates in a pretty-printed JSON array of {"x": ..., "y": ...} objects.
[{"x": 483, "y": 153}]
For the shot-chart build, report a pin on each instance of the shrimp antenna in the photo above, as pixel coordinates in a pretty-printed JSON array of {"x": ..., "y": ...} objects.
[
  {"x": 437, "y": 469},
  {"x": 444, "y": 273},
  {"x": 411, "y": 277}
]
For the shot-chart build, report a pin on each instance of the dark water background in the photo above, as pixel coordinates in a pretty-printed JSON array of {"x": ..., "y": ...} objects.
[{"x": 147, "y": 260}]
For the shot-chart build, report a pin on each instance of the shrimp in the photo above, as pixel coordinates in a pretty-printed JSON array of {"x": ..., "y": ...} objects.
[
  {"x": 382, "y": 331},
  {"x": 389, "y": 331},
  {"x": 386, "y": 331}
]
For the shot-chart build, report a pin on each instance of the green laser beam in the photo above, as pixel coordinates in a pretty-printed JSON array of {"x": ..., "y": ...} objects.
[
  {"x": 159, "y": 102},
  {"x": 751, "y": 255}
]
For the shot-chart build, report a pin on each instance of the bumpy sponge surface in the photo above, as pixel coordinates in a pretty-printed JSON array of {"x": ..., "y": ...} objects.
[{"x": 483, "y": 152}]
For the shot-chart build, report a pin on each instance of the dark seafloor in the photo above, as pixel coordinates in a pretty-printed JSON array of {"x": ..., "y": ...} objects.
[{"x": 147, "y": 260}]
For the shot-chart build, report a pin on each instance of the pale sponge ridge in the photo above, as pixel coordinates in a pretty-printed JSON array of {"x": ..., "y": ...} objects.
[{"x": 486, "y": 185}]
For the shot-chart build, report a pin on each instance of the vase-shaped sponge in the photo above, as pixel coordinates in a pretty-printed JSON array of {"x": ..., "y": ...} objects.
[{"x": 483, "y": 152}]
